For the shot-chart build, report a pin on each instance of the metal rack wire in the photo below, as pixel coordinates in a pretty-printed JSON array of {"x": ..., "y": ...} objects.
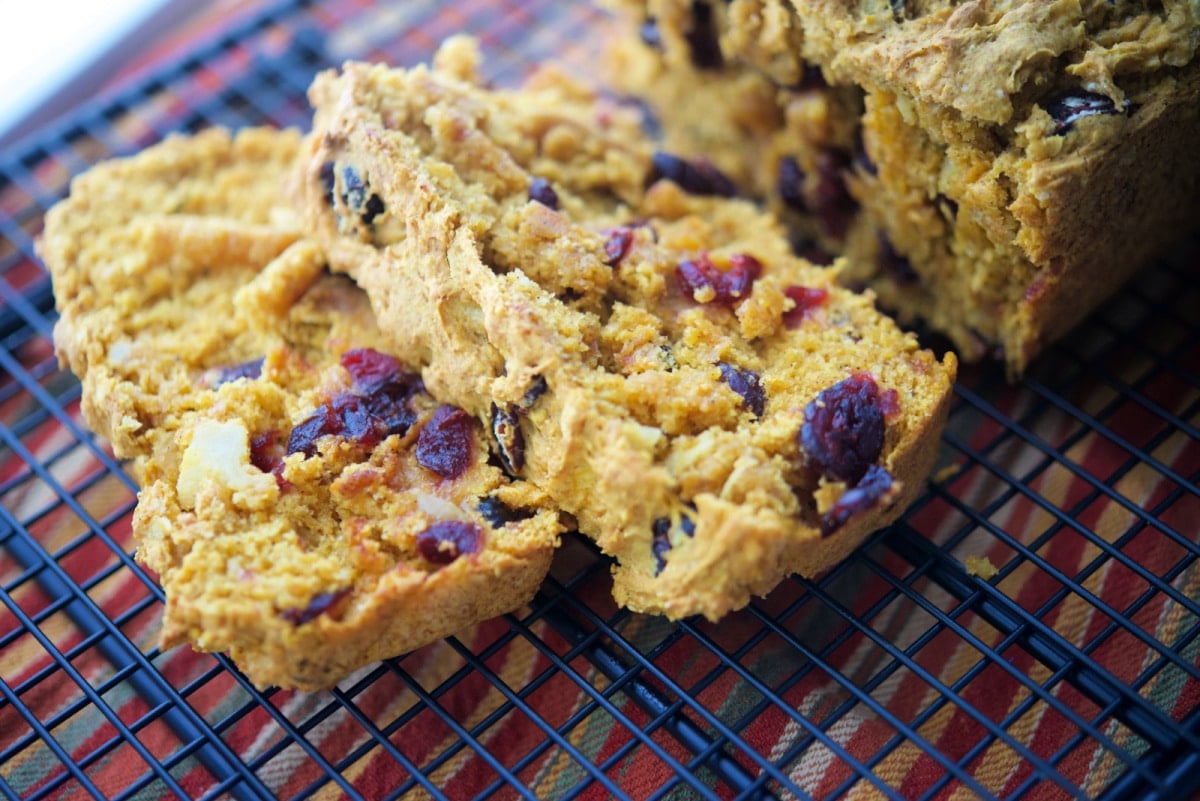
[{"x": 907, "y": 672}]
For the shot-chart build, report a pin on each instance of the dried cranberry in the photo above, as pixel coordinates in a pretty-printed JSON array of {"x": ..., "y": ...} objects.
[
  {"x": 893, "y": 264},
  {"x": 223, "y": 375},
  {"x": 500, "y": 514},
  {"x": 1073, "y": 105},
  {"x": 445, "y": 442},
  {"x": 832, "y": 202},
  {"x": 728, "y": 286},
  {"x": 510, "y": 442},
  {"x": 357, "y": 423},
  {"x": 537, "y": 388},
  {"x": 789, "y": 182},
  {"x": 875, "y": 484},
  {"x": 702, "y": 37},
  {"x": 617, "y": 245},
  {"x": 747, "y": 384},
  {"x": 266, "y": 452},
  {"x": 650, "y": 34},
  {"x": 660, "y": 542},
  {"x": 328, "y": 181},
  {"x": 320, "y": 604},
  {"x": 370, "y": 369},
  {"x": 446, "y": 540},
  {"x": 843, "y": 428},
  {"x": 355, "y": 196},
  {"x": 698, "y": 177},
  {"x": 806, "y": 299},
  {"x": 305, "y": 434},
  {"x": 541, "y": 191}
]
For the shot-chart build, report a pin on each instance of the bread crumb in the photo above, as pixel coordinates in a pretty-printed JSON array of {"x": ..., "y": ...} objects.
[{"x": 980, "y": 566}]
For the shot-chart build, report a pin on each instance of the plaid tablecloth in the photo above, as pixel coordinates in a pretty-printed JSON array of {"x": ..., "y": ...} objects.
[{"x": 1031, "y": 629}]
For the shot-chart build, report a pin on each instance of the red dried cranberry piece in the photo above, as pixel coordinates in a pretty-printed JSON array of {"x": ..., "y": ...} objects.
[
  {"x": 698, "y": 177},
  {"x": 728, "y": 286},
  {"x": 266, "y": 452},
  {"x": 806, "y": 299},
  {"x": 446, "y": 540},
  {"x": 445, "y": 442},
  {"x": 747, "y": 384},
  {"x": 356, "y": 422},
  {"x": 371, "y": 369},
  {"x": 617, "y": 245},
  {"x": 320, "y": 604},
  {"x": 1069, "y": 107},
  {"x": 305, "y": 434},
  {"x": 832, "y": 202},
  {"x": 843, "y": 428},
  {"x": 541, "y": 191},
  {"x": 875, "y": 484}
]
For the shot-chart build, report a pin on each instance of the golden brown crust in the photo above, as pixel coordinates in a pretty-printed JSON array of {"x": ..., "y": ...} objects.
[
  {"x": 616, "y": 376},
  {"x": 292, "y": 504}
]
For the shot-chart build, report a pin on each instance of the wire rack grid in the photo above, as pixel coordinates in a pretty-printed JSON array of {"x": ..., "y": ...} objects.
[{"x": 1030, "y": 629}]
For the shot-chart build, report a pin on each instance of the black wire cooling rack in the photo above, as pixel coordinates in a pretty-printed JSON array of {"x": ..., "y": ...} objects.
[{"x": 1030, "y": 629}]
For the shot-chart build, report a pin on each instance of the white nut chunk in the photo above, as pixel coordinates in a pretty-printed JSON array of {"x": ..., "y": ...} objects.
[{"x": 218, "y": 459}]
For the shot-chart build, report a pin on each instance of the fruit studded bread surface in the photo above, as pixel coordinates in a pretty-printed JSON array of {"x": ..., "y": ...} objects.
[
  {"x": 308, "y": 507},
  {"x": 715, "y": 413},
  {"x": 1014, "y": 162}
]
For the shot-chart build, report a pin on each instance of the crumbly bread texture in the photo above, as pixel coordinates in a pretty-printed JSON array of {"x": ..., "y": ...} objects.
[
  {"x": 715, "y": 412},
  {"x": 308, "y": 507},
  {"x": 1014, "y": 162}
]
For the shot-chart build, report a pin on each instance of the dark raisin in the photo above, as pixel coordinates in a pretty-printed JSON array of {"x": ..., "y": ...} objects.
[
  {"x": 702, "y": 37},
  {"x": 372, "y": 209},
  {"x": 541, "y": 191},
  {"x": 537, "y": 388},
  {"x": 806, "y": 299},
  {"x": 500, "y": 514},
  {"x": 892, "y": 264},
  {"x": 698, "y": 177},
  {"x": 1068, "y": 107},
  {"x": 354, "y": 191},
  {"x": 616, "y": 246},
  {"x": 446, "y": 540},
  {"x": 320, "y": 604},
  {"x": 747, "y": 384},
  {"x": 843, "y": 428},
  {"x": 328, "y": 181},
  {"x": 728, "y": 286},
  {"x": 832, "y": 202},
  {"x": 355, "y": 195},
  {"x": 875, "y": 484},
  {"x": 510, "y": 442},
  {"x": 223, "y": 375},
  {"x": 660, "y": 542},
  {"x": 445, "y": 442},
  {"x": 789, "y": 182},
  {"x": 650, "y": 34},
  {"x": 948, "y": 207}
]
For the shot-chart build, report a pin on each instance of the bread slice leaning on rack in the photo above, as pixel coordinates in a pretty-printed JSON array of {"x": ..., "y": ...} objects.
[
  {"x": 715, "y": 412},
  {"x": 307, "y": 505}
]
